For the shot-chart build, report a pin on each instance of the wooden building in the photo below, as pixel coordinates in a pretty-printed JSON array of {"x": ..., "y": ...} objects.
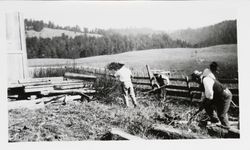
[{"x": 17, "y": 67}]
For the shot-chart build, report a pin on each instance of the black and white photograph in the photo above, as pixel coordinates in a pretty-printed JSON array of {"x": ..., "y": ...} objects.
[{"x": 111, "y": 71}]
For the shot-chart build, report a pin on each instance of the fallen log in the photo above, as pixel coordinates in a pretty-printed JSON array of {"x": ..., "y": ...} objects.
[
  {"x": 79, "y": 76},
  {"x": 168, "y": 132},
  {"x": 118, "y": 134},
  {"x": 51, "y": 99},
  {"x": 222, "y": 132},
  {"x": 60, "y": 98}
]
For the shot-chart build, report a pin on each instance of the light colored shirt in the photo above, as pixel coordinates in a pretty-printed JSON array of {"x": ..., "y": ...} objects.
[
  {"x": 166, "y": 79},
  {"x": 208, "y": 73},
  {"x": 123, "y": 74},
  {"x": 208, "y": 83}
]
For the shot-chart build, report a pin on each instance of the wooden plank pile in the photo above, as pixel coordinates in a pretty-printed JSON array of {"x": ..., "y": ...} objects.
[{"x": 70, "y": 84}]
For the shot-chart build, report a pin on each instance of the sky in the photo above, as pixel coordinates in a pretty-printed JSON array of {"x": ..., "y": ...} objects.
[{"x": 167, "y": 16}]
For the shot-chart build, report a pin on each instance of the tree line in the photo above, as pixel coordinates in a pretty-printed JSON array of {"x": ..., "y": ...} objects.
[
  {"x": 38, "y": 25},
  {"x": 85, "y": 46}
]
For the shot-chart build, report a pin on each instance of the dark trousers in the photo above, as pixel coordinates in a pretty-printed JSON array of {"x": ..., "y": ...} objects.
[{"x": 221, "y": 105}]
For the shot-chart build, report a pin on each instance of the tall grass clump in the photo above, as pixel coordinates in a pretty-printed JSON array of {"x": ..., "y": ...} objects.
[{"x": 108, "y": 90}]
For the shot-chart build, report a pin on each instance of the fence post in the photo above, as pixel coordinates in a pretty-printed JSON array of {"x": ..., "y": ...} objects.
[
  {"x": 152, "y": 78},
  {"x": 189, "y": 89}
]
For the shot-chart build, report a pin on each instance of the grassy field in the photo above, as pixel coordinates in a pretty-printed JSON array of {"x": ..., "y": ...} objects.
[
  {"x": 92, "y": 120},
  {"x": 184, "y": 60}
]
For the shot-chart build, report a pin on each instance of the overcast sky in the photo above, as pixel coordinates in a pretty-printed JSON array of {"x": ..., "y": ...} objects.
[{"x": 166, "y": 16}]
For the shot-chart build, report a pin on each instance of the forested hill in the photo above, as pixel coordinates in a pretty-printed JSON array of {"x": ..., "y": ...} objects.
[
  {"x": 222, "y": 33},
  {"x": 53, "y": 41},
  {"x": 110, "y": 42}
]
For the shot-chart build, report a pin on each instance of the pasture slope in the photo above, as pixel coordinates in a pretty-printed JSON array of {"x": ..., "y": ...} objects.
[{"x": 185, "y": 60}]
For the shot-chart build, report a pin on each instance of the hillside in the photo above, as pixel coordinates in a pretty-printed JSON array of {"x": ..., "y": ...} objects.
[
  {"x": 50, "y": 33},
  {"x": 185, "y": 60},
  {"x": 222, "y": 33},
  {"x": 135, "y": 31}
]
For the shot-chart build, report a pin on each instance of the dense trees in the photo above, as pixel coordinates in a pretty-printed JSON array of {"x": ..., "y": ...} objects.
[{"x": 85, "y": 46}]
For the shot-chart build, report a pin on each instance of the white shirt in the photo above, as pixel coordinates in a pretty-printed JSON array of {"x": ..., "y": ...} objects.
[
  {"x": 123, "y": 74},
  {"x": 208, "y": 73},
  {"x": 166, "y": 79},
  {"x": 208, "y": 83}
]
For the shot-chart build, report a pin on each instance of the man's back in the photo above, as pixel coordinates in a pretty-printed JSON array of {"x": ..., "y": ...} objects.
[
  {"x": 124, "y": 74},
  {"x": 208, "y": 73}
]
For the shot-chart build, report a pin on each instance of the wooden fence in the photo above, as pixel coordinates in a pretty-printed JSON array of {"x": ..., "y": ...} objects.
[
  {"x": 185, "y": 87},
  {"x": 180, "y": 87}
]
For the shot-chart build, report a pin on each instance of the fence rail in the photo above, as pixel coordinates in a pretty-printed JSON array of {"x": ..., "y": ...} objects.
[
  {"x": 188, "y": 90},
  {"x": 184, "y": 88}
]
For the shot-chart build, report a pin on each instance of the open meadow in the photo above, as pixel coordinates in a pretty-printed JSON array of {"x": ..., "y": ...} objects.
[{"x": 182, "y": 60}]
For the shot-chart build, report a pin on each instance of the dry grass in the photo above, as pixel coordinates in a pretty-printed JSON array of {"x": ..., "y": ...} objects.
[{"x": 91, "y": 120}]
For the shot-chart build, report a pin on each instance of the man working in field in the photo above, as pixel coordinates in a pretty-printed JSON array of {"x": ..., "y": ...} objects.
[
  {"x": 162, "y": 79},
  {"x": 123, "y": 74},
  {"x": 216, "y": 97}
]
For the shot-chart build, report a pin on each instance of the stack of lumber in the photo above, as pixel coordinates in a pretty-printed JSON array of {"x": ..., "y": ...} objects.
[{"x": 71, "y": 83}]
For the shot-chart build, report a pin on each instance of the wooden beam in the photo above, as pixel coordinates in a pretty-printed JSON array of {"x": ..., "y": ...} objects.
[
  {"x": 65, "y": 87},
  {"x": 45, "y": 79},
  {"x": 38, "y": 89},
  {"x": 81, "y": 92},
  {"x": 118, "y": 134},
  {"x": 79, "y": 76}
]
